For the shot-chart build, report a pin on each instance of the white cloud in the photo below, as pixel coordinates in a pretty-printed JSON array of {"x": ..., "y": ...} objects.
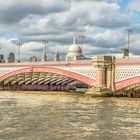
[
  {"x": 6, "y": 47},
  {"x": 134, "y": 5},
  {"x": 30, "y": 22},
  {"x": 110, "y": 39}
]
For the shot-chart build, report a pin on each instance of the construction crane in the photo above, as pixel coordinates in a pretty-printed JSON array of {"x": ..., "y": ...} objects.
[
  {"x": 126, "y": 51},
  {"x": 129, "y": 33},
  {"x": 19, "y": 45},
  {"x": 82, "y": 37}
]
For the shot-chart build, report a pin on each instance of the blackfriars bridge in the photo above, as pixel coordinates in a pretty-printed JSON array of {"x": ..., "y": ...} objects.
[{"x": 103, "y": 74}]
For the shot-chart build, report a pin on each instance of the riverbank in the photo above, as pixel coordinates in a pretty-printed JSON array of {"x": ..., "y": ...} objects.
[
  {"x": 66, "y": 93},
  {"x": 44, "y": 92}
]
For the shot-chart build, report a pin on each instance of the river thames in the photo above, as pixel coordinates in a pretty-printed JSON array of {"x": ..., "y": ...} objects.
[{"x": 68, "y": 117}]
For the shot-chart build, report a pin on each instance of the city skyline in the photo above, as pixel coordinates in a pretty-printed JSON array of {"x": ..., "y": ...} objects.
[{"x": 104, "y": 24}]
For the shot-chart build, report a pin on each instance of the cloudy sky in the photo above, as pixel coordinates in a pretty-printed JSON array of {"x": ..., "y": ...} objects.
[{"x": 104, "y": 23}]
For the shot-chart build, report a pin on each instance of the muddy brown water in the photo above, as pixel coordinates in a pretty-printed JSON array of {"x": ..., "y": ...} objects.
[{"x": 68, "y": 117}]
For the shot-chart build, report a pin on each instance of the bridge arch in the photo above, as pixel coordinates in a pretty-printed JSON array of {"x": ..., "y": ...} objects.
[
  {"x": 84, "y": 79},
  {"x": 127, "y": 82}
]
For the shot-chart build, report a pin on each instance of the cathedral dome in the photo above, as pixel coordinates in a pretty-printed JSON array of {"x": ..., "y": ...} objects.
[
  {"x": 75, "y": 51},
  {"x": 75, "y": 48}
]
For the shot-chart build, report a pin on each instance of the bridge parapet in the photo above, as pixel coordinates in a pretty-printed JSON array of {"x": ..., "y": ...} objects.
[
  {"x": 127, "y": 72},
  {"x": 127, "y": 68}
]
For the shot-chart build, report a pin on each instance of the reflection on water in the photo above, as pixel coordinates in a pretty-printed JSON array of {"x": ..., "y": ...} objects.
[{"x": 68, "y": 117}]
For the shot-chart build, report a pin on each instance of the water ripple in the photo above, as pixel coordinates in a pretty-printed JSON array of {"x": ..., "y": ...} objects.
[{"x": 68, "y": 117}]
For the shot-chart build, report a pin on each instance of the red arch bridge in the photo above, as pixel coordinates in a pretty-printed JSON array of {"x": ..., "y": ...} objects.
[{"x": 102, "y": 74}]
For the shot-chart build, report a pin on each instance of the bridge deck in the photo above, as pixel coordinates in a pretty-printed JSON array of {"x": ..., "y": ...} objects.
[
  {"x": 128, "y": 61},
  {"x": 119, "y": 61},
  {"x": 49, "y": 63}
]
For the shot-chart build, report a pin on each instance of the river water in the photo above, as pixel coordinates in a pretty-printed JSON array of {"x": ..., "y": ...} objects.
[{"x": 68, "y": 117}]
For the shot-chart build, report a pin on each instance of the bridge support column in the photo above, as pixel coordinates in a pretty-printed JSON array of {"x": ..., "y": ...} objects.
[
  {"x": 1, "y": 86},
  {"x": 100, "y": 76},
  {"x": 105, "y": 69}
]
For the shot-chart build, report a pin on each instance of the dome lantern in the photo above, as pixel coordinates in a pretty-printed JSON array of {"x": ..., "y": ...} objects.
[{"x": 75, "y": 39}]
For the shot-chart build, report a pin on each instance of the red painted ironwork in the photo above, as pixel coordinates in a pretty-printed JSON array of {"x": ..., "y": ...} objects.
[
  {"x": 81, "y": 78},
  {"x": 125, "y": 83}
]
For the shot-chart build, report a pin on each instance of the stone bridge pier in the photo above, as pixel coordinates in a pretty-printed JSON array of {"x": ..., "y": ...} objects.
[{"x": 105, "y": 75}]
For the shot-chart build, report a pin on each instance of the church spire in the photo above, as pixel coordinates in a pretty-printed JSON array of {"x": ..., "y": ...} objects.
[
  {"x": 56, "y": 56},
  {"x": 44, "y": 56},
  {"x": 75, "y": 39}
]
